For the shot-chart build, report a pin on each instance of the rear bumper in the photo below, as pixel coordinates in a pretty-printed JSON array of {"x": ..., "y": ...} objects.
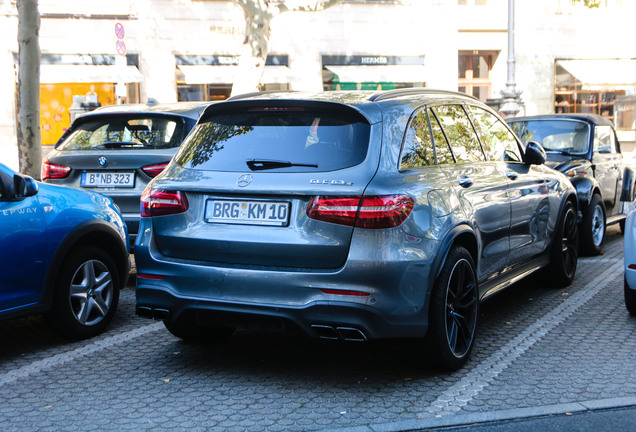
[
  {"x": 132, "y": 223},
  {"x": 382, "y": 290},
  {"x": 319, "y": 319}
]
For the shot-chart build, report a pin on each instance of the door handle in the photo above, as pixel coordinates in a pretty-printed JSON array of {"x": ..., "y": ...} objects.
[
  {"x": 465, "y": 182},
  {"x": 512, "y": 175}
]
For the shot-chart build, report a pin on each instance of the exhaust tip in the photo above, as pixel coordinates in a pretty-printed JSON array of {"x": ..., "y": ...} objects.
[
  {"x": 325, "y": 332},
  {"x": 351, "y": 334}
]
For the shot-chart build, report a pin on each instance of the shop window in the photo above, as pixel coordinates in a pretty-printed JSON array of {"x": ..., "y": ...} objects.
[
  {"x": 571, "y": 96},
  {"x": 474, "y": 71},
  {"x": 61, "y": 103},
  {"x": 215, "y": 92}
]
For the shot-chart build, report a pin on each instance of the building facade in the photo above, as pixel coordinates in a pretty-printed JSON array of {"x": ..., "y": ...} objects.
[{"x": 568, "y": 58}]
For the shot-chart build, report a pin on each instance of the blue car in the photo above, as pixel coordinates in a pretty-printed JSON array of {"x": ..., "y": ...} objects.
[{"x": 63, "y": 253}]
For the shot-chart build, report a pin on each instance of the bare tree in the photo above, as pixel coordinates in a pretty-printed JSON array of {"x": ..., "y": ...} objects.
[
  {"x": 29, "y": 140},
  {"x": 258, "y": 15}
]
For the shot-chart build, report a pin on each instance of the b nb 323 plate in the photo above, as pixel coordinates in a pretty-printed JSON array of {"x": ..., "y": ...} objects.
[{"x": 272, "y": 213}]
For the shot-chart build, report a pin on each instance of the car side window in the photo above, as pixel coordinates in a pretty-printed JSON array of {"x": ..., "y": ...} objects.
[
  {"x": 499, "y": 143},
  {"x": 418, "y": 147},
  {"x": 460, "y": 133},
  {"x": 442, "y": 148},
  {"x": 604, "y": 141}
]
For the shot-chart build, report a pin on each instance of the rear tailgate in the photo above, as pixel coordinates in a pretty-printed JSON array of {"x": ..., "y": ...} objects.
[{"x": 248, "y": 185}]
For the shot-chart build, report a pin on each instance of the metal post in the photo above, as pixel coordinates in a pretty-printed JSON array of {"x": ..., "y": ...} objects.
[{"x": 512, "y": 102}]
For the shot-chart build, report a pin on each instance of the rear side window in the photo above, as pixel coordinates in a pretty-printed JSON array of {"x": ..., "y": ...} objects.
[
  {"x": 292, "y": 139},
  {"x": 604, "y": 141},
  {"x": 418, "y": 147},
  {"x": 499, "y": 143},
  {"x": 460, "y": 133},
  {"x": 126, "y": 132}
]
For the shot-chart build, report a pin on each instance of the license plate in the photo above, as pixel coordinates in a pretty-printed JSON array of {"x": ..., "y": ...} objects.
[
  {"x": 108, "y": 179},
  {"x": 273, "y": 213}
]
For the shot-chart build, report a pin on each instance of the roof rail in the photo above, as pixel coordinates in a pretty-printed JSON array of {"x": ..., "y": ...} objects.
[
  {"x": 249, "y": 95},
  {"x": 390, "y": 94}
]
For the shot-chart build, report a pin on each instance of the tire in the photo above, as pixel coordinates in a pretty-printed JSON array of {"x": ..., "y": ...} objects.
[
  {"x": 593, "y": 227},
  {"x": 86, "y": 293},
  {"x": 630, "y": 299},
  {"x": 186, "y": 328},
  {"x": 453, "y": 312},
  {"x": 565, "y": 246}
]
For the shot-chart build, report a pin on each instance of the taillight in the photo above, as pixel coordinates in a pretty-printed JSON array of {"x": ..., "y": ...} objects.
[
  {"x": 372, "y": 212},
  {"x": 53, "y": 171},
  {"x": 160, "y": 202},
  {"x": 153, "y": 171}
]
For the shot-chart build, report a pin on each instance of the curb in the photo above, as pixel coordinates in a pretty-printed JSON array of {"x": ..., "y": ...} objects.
[{"x": 492, "y": 416}]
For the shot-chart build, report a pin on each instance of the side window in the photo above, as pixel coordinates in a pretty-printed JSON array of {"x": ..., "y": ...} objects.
[
  {"x": 460, "y": 133},
  {"x": 442, "y": 149},
  {"x": 499, "y": 144},
  {"x": 418, "y": 148},
  {"x": 604, "y": 141}
]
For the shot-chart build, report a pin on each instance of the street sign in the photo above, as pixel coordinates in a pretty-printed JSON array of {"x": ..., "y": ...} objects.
[
  {"x": 119, "y": 31},
  {"x": 120, "y": 45}
]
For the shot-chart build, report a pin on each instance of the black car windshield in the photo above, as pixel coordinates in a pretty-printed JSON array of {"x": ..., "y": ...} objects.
[
  {"x": 281, "y": 140},
  {"x": 125, "y": 132},
  {"x": 558, "y": 135}
]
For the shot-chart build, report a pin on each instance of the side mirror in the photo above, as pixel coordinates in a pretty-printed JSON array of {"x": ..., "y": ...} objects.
[
  {"x": 535, "y": 154},
  {"x": 24, "y": 186}
]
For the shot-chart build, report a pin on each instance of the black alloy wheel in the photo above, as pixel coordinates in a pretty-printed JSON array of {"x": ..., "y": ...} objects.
[
  {"x": 564, "y": 255},
  {"x": 453, "y": 313}
]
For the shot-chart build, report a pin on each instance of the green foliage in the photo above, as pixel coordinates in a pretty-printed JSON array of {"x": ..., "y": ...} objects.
[{"x": 591, "y": 4}]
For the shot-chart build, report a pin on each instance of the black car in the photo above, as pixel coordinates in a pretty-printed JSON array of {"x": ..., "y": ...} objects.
[
  {"x": 586, "y": 149},
  {"x": 117, "y": 150}
]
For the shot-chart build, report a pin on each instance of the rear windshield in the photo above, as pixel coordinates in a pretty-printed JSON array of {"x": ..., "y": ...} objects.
[
  {"x": 561, "y": 136},
  {"x": 288, "y": 140},
  {"x": 126, "y": 132}
]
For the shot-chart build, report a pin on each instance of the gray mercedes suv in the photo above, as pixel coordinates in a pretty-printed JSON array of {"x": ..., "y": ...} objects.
[{"x": 350, "y": 215}]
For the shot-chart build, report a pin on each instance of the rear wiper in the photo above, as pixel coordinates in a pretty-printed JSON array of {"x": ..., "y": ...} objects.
[{"x": 263, "y": 164}]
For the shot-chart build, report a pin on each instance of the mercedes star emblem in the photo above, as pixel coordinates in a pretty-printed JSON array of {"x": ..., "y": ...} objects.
[{"x": 244, "y": 180}]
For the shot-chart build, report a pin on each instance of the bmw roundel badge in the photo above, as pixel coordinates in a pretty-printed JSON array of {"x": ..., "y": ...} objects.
[{"x": 103, "y": 162}]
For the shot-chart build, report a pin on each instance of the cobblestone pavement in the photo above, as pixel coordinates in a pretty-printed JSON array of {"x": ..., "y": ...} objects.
[{"x": 536, "y": 347}]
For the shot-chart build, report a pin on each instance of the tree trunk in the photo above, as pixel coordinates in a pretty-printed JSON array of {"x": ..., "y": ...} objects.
[
  {"x": 29, "y": 140},
  {"x": 255, "y": 46},
  {"x": 258, "y": 15}
]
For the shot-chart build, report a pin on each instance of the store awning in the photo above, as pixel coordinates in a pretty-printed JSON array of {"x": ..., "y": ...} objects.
[
  {"x": 52, "y": 74},
  {"x": 208, "y": 74},
  {"x": 387, "y": 73},
  {"x": 616, "y": 74}
]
